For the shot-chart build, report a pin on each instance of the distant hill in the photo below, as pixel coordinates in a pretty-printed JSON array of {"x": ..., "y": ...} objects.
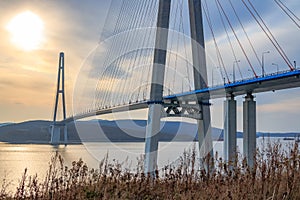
[
  {"x": 25, "y": 132},
  {"x": 105, "y": 130},
  {"x": 5, "y": 124}
]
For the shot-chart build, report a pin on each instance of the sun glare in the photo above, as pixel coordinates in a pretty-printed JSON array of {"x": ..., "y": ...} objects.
[{"x": 26, "y": 31}]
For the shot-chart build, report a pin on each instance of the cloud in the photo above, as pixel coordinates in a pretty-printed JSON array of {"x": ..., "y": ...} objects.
[{"x": 29, "y": 78}]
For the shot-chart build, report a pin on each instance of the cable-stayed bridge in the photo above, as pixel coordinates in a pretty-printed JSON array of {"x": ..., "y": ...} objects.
[{"x": 157, "y": 55}]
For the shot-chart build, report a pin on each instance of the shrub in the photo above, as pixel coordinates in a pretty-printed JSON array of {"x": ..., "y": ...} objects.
[{"x": 275, "y": 175}]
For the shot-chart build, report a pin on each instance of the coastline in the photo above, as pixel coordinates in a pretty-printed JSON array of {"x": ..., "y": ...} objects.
[{"x": 38, "y": 132}]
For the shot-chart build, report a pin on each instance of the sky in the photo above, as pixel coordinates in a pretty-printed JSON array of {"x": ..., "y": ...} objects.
[{"x": 28, "y": 77}]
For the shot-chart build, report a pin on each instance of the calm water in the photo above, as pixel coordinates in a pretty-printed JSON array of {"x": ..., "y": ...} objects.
[{"x": 15, "y": 158}]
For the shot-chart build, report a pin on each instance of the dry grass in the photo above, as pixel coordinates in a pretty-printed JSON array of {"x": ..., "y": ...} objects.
[{"x": 275, "y": 175}]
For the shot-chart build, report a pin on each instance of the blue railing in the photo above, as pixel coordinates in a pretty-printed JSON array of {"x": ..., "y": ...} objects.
[{"x": 267, "y": 77}]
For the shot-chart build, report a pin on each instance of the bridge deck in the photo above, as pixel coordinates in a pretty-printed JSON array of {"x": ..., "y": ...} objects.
[{"x": 271, "y": 82}]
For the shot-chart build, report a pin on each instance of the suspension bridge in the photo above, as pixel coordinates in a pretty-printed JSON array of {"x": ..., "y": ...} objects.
[{"x": 153, "y": 54}]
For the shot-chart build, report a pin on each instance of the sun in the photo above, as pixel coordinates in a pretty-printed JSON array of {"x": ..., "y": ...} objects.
[{"x": 26, "y": 31}]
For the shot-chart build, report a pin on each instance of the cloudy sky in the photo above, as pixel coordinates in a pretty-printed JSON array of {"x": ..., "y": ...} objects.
[
  {"x": 27, "y": 78},
  {"x": 28, "y": 69}
]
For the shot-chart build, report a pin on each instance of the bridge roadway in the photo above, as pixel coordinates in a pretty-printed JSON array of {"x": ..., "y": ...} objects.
[{"x": 269, "y": 82}]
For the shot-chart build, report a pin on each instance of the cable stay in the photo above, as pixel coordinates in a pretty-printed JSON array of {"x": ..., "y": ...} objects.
[
  {"x": 144, "y": 53},
  {"x": 175, "y": 60},
  {"x": 147, "y": 89},
  {"x": 220, "y": 59},
  {"x": 142, "y": 62},
  {"x": 184, "y": 42},
  {"x": 137, "y": 57},
  {"x": 221, "y": 73},
  {"x": 239, "y": 42},
  {"x": 128, "y": 60},
  {"x": 171, "y": 39},
  {"x": 284, "y": 54},
  {"x": 244, "y": 30},
  {"x": 268, "y": 33},
  {"x": 177, "y": 47},
  {"x": 110, "y": 52},
  {"x": 229, "y": 40},
  {"x": 128, "y": 40},
  {"x": 288, "y": 12}
]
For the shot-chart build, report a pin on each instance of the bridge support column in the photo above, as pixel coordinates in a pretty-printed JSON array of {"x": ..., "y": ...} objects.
[
  {"x": 55, "y": 134},
  {"x": 249, "y": 129},
  {"x": 151, "y": 140},
  {"x": 66, "y": 134},
  {"x": 229, "y": 129},
  {"x": 55, "y": 130}
]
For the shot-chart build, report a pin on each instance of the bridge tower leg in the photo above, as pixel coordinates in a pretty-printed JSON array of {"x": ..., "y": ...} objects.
[
  {"x": 55, "y": 128},
  {"x": 249, "y": 129},
  {"x": 229, "y": 129},
  {"x": 200, "y": 78},
  {"x": 156, "y": 93},
  {"x": 55, "y": 134}
]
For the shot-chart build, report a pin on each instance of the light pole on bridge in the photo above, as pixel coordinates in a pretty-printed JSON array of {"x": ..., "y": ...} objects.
[
  {"x": 276, "y": 67},
  {"x": 213, "y": 75},
  {"x": 233, "y": 69},
  {"x": 263, "y": 62}
]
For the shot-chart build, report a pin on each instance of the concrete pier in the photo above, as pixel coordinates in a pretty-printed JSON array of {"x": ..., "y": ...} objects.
[
  {"x": 66, "y": 134},
  {"x": 55, "y": 134},
  {"x": 55, "y": 130},
  {"x": 249, "y": 129},
  {"x": 229, "y": 147}
]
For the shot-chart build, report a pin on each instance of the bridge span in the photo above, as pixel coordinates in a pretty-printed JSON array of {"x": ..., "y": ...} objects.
[{"x": 269, "y": 82}]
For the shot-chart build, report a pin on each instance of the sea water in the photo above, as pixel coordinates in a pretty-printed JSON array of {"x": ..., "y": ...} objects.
[{"x": 14, "y": 158}]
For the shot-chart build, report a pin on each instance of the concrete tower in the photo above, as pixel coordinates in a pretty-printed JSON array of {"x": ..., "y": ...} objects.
[
  {"x": 60, "y": 91},
  {"x": 156, "y": 103}
]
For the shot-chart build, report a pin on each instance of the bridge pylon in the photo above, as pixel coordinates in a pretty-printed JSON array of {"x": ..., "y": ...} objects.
[
  {"x": 56, "y": 126},
  {"x": 156, "y": 103},
  {"x": 156, "y": 93},
  {"x": 200, "y": 82}
]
